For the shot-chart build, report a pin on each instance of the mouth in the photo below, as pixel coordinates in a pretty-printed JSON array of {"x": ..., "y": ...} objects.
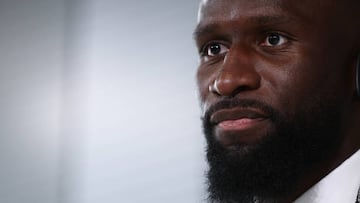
[
  {"x": 240, "y": 125},
  {"x": 237, "y": 117}
]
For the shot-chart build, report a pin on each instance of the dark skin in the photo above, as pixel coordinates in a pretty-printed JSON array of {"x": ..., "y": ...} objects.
[{"x": 284, "y": 53}]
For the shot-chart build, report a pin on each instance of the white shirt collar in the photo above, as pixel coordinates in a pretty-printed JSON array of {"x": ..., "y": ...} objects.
[{"x": 341, "y": 185}]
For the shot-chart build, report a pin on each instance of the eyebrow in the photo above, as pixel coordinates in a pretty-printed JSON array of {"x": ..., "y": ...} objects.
[
  {"x": 201, "y": 30},
  {"x": 265, "y": 20}
]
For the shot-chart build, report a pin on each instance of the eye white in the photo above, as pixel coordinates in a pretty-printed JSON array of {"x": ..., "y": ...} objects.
[
  {"x": 216, "y": 49},
  {"x": 274, "y": 40}
]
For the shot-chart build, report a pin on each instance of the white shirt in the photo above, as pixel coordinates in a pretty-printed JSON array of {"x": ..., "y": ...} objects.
[{"x": 339, "y": 186}]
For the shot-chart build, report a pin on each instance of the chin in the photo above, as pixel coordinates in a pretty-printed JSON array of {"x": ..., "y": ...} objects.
[{"x": 269, "y": 167}]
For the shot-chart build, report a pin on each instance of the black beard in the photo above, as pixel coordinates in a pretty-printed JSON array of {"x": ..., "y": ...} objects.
[{"x": 270, "y": 170}]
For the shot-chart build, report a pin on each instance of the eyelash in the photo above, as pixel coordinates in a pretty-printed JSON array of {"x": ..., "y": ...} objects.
[
  {"x": 284, "y": 39},
  {"x": 204, "y": 49}
]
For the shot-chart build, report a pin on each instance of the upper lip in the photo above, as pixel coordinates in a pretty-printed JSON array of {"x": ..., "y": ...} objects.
[{"x": 237, "y": 113}]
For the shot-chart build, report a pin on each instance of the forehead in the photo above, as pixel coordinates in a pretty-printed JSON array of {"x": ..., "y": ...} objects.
[
  {"x": 305, "y": 10},
  {"x": 209, "y": 8}
]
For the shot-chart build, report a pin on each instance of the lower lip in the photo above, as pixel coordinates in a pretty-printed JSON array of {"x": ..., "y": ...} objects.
[
  {"x": 239, "y": 124},
  {"x": 242, "y": 131}
]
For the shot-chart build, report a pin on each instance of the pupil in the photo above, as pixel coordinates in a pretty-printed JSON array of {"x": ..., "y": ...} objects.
[
  {"x": 215, "y": 49},
  {"x": 274, "y": 39}
]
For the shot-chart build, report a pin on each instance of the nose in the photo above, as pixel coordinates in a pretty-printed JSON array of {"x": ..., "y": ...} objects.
[{"x": 237, "y": 74}]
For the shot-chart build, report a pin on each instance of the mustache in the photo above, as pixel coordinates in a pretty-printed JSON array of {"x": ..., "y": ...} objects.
[{"x": 239, "y": 103}]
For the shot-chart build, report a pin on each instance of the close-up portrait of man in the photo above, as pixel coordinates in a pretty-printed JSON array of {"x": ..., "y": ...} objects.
[{"x": 278, "y": 84}]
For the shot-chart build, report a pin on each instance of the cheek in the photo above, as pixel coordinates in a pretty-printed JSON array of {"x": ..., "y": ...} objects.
[
  {"x": 290, "y": 84},
  {"x": 322, "y": 71},
  {"x": 319, "y": 78},
  {"x": 305, "y": 82}
]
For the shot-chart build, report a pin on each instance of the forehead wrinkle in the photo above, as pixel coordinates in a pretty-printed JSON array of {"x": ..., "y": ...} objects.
[
  {"x": 270, "y": 20},
  {"x": 257, "y": 21},
  {"x": 229, "y": 9}
]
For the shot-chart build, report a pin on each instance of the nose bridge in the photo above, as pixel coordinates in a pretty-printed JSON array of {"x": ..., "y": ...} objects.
[{"x": 238, "y": 73}]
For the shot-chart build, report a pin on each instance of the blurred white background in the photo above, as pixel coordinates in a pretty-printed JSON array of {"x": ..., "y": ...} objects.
[{"x": 98, "y": 102}]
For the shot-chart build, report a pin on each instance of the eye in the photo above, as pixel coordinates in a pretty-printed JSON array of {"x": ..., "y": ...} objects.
[
  {"x": 215, "y": 49},
  {"x": 274, "y": 39}
]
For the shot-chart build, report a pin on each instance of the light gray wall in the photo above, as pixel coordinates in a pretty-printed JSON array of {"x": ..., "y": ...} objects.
[
  {"x": 99, "y": 102},
  {"x": 31, "y": 42}
]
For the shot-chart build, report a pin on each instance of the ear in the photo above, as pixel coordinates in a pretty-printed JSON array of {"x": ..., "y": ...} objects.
[{"x": 357, "y": 79}]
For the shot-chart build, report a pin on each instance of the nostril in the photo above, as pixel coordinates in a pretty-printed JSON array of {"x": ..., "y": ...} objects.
[
  {"x": 223, "y": 86},
  {"x": 213, "y": 88},
  {"x": 230, "y": 84}
]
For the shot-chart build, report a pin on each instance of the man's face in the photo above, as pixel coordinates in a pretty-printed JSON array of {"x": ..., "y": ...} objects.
[{"x": 274, "y": 89}]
